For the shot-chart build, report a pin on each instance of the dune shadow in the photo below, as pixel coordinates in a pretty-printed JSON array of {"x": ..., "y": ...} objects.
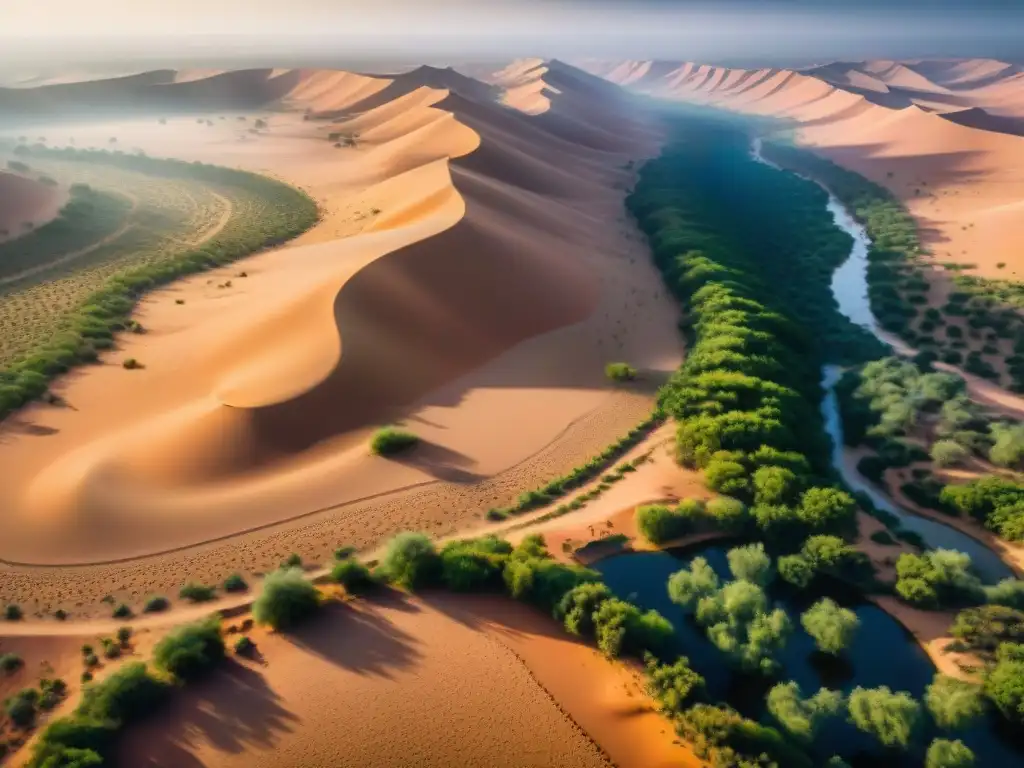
[
  {"x": 234, "y": 711},
  {"x": 359, "y": 639},
  {"x": 23, "y": 426}
]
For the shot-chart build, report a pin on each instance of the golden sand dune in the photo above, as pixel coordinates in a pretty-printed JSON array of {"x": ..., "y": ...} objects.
[
  {"x": 946, "y": 137},
  {"x": 472, "y": 275},
  {"x": 473, "y": 681},
  {"x": 26, "y": 201}
]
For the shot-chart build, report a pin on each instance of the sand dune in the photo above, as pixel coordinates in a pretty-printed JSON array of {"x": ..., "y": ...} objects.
[
  {"x": 452, "y": 215},
  {"x": 24, "y": 200},
  {"x": 515, "y": 688},
  {"x": 946, "y": 137}
]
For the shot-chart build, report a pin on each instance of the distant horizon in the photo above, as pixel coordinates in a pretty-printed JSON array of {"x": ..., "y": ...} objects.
[{"x": 143, "y": 34}]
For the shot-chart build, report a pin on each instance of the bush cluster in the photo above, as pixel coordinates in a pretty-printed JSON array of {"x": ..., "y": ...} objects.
[{"x": 746, "y": 396}]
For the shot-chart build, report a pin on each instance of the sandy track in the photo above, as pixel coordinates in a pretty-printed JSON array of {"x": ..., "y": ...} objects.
[{"x": 255, "y": 402}]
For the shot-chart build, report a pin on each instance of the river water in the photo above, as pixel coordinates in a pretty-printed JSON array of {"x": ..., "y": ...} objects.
[{"x": 850, "y": 288}]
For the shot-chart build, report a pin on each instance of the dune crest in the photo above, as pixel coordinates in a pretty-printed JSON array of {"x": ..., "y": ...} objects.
[{"x": 451, "y": 213}]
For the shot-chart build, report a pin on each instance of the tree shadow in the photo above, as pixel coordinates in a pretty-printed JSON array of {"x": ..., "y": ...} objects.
[
  {"x": 234, "y": 711},
  {"x": 497, "y": 613},
  {"x": 358, "y": 638},
  {"x": 440, "y": 462}
]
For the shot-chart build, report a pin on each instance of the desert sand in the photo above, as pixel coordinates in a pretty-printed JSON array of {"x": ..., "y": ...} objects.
[
  {"x": 512, "y": 685},
  {"x": 947, "y": 138},
  {"x": 26, "y": 201},
  {"x": 472, "y": 273}
]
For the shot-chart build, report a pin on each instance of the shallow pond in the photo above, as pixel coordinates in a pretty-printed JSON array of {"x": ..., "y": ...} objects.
[{"x": 883, "y": 653}]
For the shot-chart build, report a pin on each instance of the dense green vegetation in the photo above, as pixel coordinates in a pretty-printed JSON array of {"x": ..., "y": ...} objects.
[
  {"x": 87, "y": 217},
  {"x": 898, "y": 287},
  {"x": 907, "y": 415},
  {"x": 749, "y": 252},
  {"x": 283, "y": 213},
  {"x": 561, "y": 486}
]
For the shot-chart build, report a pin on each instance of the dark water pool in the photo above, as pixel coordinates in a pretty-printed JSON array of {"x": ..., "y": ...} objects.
[{"x": 882, "y": 654}]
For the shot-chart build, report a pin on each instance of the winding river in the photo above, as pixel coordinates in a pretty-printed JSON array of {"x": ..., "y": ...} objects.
[{"x": 850, "y": 288}]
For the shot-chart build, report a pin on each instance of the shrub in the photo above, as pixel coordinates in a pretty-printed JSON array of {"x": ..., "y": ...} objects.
[
  {"x": 21, "y": 707},
  {"x": 156, "y": 604},
  {"x": 12, "y": 612},
  {"x": 953, "y": 703},
  {"x": 244, "y": 646},
  {"x": 197, "y": 593},
  {"x": 287, "y": 598},
  {"x": 659, "y": 523},
  {"x": 411, "y": 561},
  {"x": 620, "y": 372},
  {"x": 674, "y": 686},
  {"x": 937, "y": 577},
  {"x": 124, "y": 634},
  {"x": 10, "y": 662},
  {"x": 948, "y": 453},
  {"x": 235, "y": 583},
  {"x": 943, "y": 753},
  {"x": 474, "y": 564},
  {"x": 577, "y": 607},
  {"x": 389, "y": 441},
  {"x": 892, "y": 718},
  {"x": 1008, "y": 592},
  {"x": 122, "y": 611},
  {"x": 352, "y": 575},
  {"x": 126, "y": 694},
  {"x": 131, "y": 364},
  {"x": 831, "y": 626},
  {"x": 623, "y": 629},
  {"x": 191, "y": 651}
]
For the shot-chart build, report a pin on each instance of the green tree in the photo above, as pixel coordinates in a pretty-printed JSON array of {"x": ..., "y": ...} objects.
[
  {"x": 953, "y": 703},
  {"x": 827, "y": 509},
  {"x": 775, "y": 485},
  {"x": 1004, "y": 683},
  {"x": 801, "y": 717},
  {"x": 831, "y": 626},
  {"x": 689, "y": 585},
  {"x": 750, "y": 563},
  {"x": 892, "y": 718},
  {"x": 948, "y": 754},
  {"x": 797, "y": 570}
]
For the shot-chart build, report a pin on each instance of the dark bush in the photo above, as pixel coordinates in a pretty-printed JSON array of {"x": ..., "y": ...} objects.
[
  {"x": 353, "y": 576},
  {"x": 287, "y": 599},
  {"x": 389, "y": 441},
  {"x": 190, "y": 651}
]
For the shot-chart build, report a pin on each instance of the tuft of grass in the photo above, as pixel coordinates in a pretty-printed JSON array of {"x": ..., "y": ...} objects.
[{"x": 389, "y": 441}]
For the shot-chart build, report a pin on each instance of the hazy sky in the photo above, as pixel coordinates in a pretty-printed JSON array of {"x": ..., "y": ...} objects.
[{"x": 67, "y": 30}]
